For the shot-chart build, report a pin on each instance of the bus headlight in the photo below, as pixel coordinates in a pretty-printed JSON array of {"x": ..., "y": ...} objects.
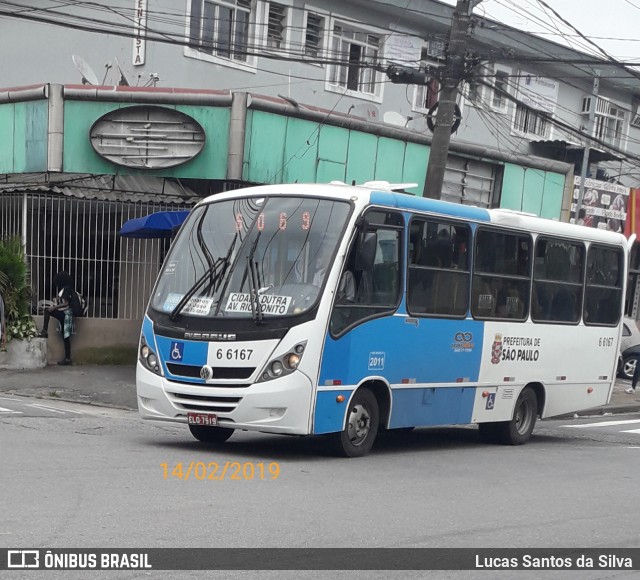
[
  {"x": 147, "y": 357},
  {"x": 276, "y": 368},
  {"x": 292, "y": 361},
  {"x": 283, "y": 365}
]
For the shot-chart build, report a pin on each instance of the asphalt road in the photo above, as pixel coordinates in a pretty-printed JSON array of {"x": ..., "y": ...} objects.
[{"x": 88, "y": 477}]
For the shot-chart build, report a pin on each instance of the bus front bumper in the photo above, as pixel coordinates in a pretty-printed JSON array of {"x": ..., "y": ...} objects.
[{"x": 282, "y": 405}]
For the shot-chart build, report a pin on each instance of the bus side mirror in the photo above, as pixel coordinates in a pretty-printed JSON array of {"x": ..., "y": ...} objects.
[{"x": 366, "y": 253}]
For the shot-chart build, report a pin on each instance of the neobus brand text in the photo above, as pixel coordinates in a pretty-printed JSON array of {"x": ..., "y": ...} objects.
[{"x": 209, "y": 336}]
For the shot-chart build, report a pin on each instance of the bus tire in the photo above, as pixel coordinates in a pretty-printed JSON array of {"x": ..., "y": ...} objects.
[
  {"x": 359, "y": 434},
  {"x": 211, "y": 434},
  {"x": 519, "y": 429}
]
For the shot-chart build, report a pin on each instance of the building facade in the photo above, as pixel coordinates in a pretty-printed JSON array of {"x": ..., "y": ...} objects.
[
  {"x": 524, "y": 94},
  {"x": 266, "y": 92}
]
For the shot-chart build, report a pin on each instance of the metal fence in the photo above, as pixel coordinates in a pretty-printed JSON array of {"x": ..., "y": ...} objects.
[{"x": 80, "y": 236}]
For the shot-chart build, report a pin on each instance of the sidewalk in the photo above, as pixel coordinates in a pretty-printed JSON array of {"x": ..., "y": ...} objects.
[
  {"x": 115, "y": 386},
  {"x": 106, "y": 386}
]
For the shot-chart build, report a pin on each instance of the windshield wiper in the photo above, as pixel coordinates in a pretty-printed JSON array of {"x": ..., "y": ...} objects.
[
  {"x": 256, "y": 307},
  {"x": 212, "y": 273}
]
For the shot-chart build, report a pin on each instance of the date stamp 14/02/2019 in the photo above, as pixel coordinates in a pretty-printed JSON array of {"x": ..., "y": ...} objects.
[{"x": 219, "y": 471}]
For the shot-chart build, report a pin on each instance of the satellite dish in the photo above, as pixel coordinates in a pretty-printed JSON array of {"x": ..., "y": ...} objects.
[
  {"x": 366, "y": 111},
  {"x": 88, "y": 76},
  {"x": 418, "y": 124},
  {"x": 123, "y": 80},
  {"x": 394, "y": 118}
]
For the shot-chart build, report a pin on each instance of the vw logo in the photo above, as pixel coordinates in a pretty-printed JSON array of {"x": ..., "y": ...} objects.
[{"x": 206, "y": 372}]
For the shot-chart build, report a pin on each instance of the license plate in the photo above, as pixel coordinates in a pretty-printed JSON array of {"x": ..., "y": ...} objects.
[{"x": 205, "y": 419}]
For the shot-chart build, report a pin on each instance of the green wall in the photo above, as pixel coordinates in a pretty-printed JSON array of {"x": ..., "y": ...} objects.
[
  {"x": 23, "y": 136},
  {"x": 278, "y": 149},
  {"x": 79, "y": 156},
  {"x": 284, "y": 149},
  {"x": 532, "y": 190}
]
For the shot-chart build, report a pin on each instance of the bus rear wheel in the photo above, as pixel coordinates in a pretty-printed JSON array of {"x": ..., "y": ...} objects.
[
  {"x": 363, "y": 419},
  {"x": 519, "y": 429},
  {"x": 210, "y": 434}
]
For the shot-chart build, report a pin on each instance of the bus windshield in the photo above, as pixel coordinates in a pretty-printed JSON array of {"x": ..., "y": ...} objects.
[{"x": 254, "y": 257}]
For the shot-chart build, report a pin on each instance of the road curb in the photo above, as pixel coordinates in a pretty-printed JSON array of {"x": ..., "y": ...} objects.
[
  {"x": 607, "y": 410},
  {"x": 66, "y": 399}
]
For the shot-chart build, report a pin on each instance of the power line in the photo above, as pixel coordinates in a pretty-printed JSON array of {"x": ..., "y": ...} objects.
[{"x": 562, "y": 124}]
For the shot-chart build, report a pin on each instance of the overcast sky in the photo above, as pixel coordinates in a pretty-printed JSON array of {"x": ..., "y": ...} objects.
[{"x": 594, "y": 18}]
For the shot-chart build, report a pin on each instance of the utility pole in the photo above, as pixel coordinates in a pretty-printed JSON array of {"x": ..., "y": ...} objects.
[
  {"x": 587, "y": 145},
  {"x": 453, "y": 73}
]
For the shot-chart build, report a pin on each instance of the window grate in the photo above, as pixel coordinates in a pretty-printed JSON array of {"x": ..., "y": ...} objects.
[
  {"x": 276, "y": 25},
  {"x": 313, "y": 36},
  {"x": 81, "y": 236}
]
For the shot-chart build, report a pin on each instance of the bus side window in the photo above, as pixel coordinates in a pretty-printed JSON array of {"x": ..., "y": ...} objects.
[
  {"x": 385, "y": 275},
  {"x": 557, "y": 284},
  {"x": 370, "y": 284},
  {"x": 438, "y": 274},
  {"x": 603, "y": 294},
  {"x": 501, "y": 275}
]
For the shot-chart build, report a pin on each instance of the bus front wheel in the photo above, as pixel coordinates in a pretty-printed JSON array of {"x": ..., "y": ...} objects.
[
  {"x": 519, "y": 429},
  {"x": 359, "y": 434},
  {"x": 210, "y": 434}
]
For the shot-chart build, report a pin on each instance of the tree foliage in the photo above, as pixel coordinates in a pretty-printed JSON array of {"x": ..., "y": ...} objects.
[{"x": 15, "y": 287}]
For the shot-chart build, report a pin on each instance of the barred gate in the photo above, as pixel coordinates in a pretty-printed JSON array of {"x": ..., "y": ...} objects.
[{"x": 81, "y": 237}]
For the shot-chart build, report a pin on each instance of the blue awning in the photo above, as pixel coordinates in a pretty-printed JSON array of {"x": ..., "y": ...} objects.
[{"x": 156, "y": 225}]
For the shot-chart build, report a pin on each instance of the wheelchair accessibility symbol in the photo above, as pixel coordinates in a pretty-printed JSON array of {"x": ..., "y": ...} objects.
[
  {"x": 491, "y": 402},
  {"x": 177, "y": 350}
]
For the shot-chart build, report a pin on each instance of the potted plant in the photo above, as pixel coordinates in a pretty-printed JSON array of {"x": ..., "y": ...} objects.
[{"x": 20, "y": 351}]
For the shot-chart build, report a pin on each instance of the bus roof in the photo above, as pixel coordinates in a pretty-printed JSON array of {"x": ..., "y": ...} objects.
[{"x": 370, "y": 196}]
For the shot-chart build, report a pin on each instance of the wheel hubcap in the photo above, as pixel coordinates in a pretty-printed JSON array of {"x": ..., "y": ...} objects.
[
  {"x": 523, "y": 417},
  {"x": 359, "y": 424},
  {"x": 629, "y": 368}
]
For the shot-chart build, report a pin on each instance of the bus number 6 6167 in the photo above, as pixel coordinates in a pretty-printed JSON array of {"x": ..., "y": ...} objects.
[{"x": 234, "y": 354}]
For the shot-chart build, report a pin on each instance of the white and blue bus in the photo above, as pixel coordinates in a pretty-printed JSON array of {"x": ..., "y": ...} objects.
[{"x": 343, "y": 310}]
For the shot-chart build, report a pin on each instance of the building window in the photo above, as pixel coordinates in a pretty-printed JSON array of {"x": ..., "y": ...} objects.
[
  {"x": 276, "y": 25},
  {"x": 609, "y": 120},
  {"x": 530, "y": 122},
  {"x": 313, "y": 36},
  {"x": 501, "y": 83},
  {"x": 609, "y": 127},
  {"x": 360, "y": 53},
  {"x": 480, "y": 95},
  {"x": 425, "y": 96},
  {"x": 221, "y": 28}
]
